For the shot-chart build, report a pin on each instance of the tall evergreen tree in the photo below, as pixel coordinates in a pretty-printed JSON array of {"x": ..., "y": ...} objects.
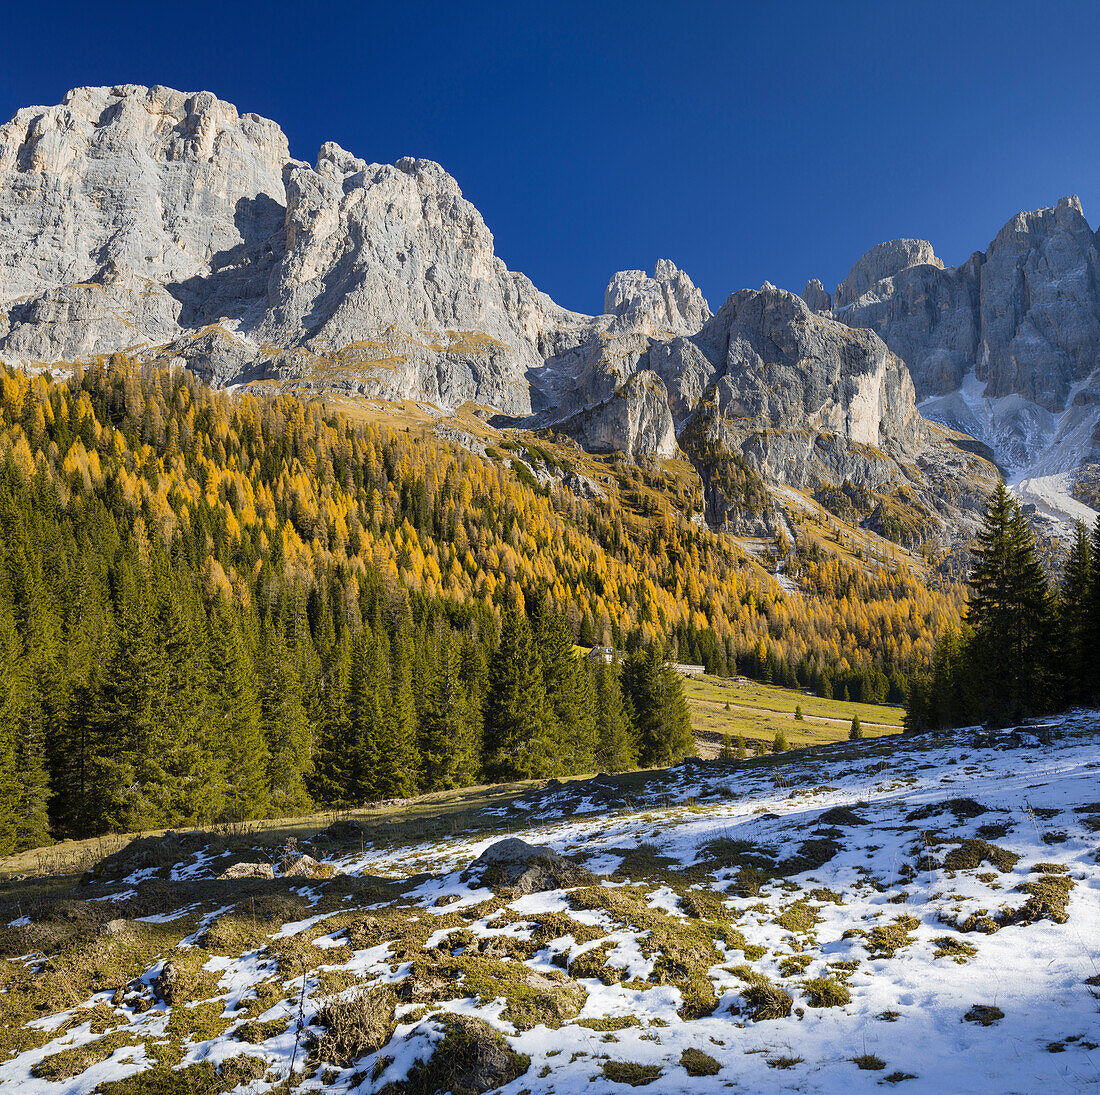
[
  {"x": 614, "y": 737},
  {"x": 662, "y": 724},
  {"x": 236, "y": 710},
  {"x": 286, "y": 731},
  {"x": 518, "y": 721},
  {"x": 1074, "y": 605},
  {"x": 568, "y": 688},
  {"x": 448, "y": 750},
  {"x": 1009, "y": 612},
  {"x": 398, "y": 762}
]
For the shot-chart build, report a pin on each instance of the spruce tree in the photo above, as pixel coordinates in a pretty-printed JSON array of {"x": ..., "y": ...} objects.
[
  {"x": 286, "y": 731},
  {"x": 398, "y": 764},
  {"x": 856, "y": 732},
  {"x": 1010, "y": 613},
  {"x": 127, "y": 780},
  {"x": 1090, "y": 667},
  {"x": 614, "y": 738},
  {"x": 567, "y": 686},
  {"x": 448, "y": 747},
  {"x": 12, "y": 703},
  {"x": 330, "y": 781},
  {"x": 236, "y": 710},
  {"x": 519, "y": 724},
  {"x": 1074, "y": 604},
  {"x": 368, "y": 713},
  {"x": 662, "y": 724}
]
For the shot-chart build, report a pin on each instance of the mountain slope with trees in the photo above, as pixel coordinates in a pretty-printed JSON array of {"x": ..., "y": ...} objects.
[{"x": 217, "y": 606}]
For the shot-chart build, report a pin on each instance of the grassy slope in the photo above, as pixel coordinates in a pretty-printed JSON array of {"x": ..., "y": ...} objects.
[{"x": 757, "y": 711}]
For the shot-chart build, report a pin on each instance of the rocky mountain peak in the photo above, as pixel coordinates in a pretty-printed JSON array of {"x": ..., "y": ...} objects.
[
  {"x": 668, "y": 302},
  {"x": 817, "y": 297},
  {"x": 1002, "y": 346},
  {"x": 885, "y": 260}
]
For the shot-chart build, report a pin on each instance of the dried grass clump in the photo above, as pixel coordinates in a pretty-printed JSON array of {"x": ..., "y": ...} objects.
[{"x": 355, "y": 1025}]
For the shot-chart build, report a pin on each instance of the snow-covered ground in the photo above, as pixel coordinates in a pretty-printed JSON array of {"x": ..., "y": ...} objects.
[{"x": 891, "y": 867}]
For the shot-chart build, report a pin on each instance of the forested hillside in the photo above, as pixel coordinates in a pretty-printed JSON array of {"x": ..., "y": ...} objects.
[
  {"x": 1027, "y": 646},
  {"x": 218, "y": 606}
]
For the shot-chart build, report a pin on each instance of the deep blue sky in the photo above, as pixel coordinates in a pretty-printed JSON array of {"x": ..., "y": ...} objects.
[{"x": 745, "y": 141}]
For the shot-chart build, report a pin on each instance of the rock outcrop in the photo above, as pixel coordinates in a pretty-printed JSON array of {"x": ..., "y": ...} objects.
[
  {"x": 519, "y": 868},
  {"x": 816, "y": 297},
  {"x": 881, "y": 262},
  {"x": 667, "y": 303},
  {"x": 147, "y": 220},
  {"x": 1002, "y": 346}
]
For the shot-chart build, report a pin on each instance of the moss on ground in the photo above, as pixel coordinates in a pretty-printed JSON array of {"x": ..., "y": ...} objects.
[
  {"x": 885, "y": 940},
  {"x": 947, "y": 946},
  {"x": 800, "y": 917},
  {"x": 697, "y": 1063},
  {"x": 826, "y": 992},
  {"x": 628, "y": 1072},
  {"x": 471, "y": 1058},
  {"x": 971, "y": 854},
  {"x": 71, "y": 1062},
  {"x": 203, "y": 1078}
]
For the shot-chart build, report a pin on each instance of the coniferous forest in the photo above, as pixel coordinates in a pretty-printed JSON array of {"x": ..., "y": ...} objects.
[
  {"x": 1027, "y": 647},
  {"x": 220, "y": 608}
]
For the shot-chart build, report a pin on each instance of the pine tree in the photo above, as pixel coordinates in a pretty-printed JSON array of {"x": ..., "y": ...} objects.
[
  {"x": 798, "y": 712},
  {"x": 12, "y": 703},
  {"x": 127, "y": 780},
  {"x": 519, "y": 724},
  {"x": 1074, "y": 604},
  {"x": 779, "y": 745},
  {"x": 661, "y": 721},
  {"x": 727, "y": 751},
  {"x": 194, "y": 770},
  {"x": 368, "y": 714},
  {"x": 286, "y": 732},
  {"x": 398, "y": 763},
  {"x": 236, "y": 711},
  {"x": 447, "y": 751},
  {"x": 614, "y": 738},
  {"x": 856, "y": 732},
  {"x": 331, "y": 778},
  {"x": 741, "y": 751},
  {"x": 568, "y": 690},
  {"x": 1009, "y": 612}
]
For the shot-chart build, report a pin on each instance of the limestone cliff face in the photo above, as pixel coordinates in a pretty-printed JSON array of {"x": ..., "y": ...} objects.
[
  {"x": 170, "y": 226},
  {"x": 787, "y": 377},
  {"x": 124, "y": 210},
  {"x": 667, "y": 303},
  {"x": 1002, "y": 346},
  {"x": 135, "y": 218}
]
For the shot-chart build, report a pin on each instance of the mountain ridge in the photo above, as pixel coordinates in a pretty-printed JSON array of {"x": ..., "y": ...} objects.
[{"x": 174, "y": 228}]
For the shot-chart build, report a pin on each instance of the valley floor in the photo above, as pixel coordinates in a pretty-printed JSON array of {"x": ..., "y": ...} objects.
[{"x": 920, "y": 913}]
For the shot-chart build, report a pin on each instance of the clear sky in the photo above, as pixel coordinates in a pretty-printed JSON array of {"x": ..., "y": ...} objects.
[{"x": 744, "y": 141}]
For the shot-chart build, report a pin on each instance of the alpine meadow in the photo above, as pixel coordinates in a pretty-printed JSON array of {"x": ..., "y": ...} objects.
[{"x": 410, "y": 685}]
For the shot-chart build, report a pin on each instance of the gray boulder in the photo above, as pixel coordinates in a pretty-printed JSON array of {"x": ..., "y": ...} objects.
[
  {"x": 247, "y": 870},
  {"x": 521, "y": 868}
]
